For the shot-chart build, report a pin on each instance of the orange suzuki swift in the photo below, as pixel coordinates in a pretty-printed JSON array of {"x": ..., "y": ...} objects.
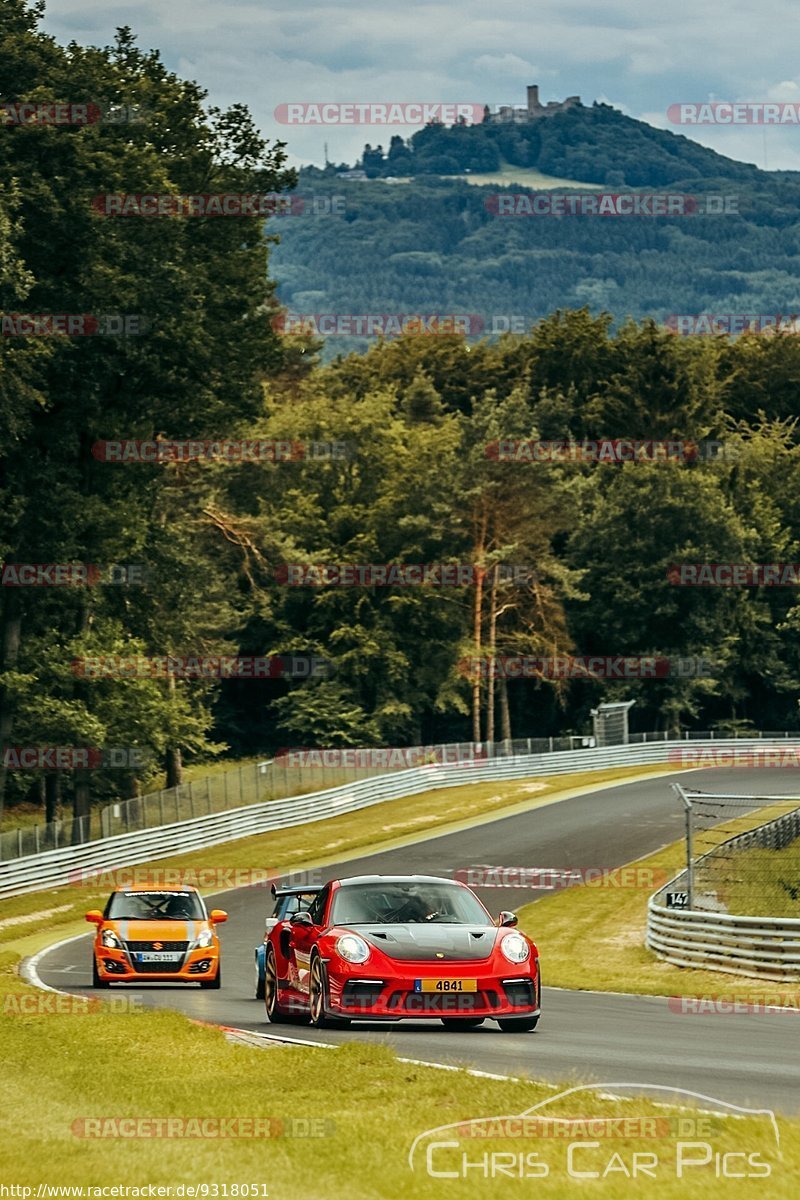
[{"x": 149, "y": 934}]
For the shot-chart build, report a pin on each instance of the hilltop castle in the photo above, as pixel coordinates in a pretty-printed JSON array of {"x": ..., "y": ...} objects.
[{"x": 534, "y": 110}]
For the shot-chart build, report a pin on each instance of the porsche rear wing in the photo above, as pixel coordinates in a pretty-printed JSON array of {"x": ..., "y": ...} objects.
[{"x": 296, "y": 891}]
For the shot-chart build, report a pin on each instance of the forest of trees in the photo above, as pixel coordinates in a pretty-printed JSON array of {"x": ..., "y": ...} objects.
[
  {"x": 439, "y": 246},
  {"x": 416, "y": 484}
]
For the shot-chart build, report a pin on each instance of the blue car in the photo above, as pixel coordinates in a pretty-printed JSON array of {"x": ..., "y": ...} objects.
[{"x": 288, "y": 901}]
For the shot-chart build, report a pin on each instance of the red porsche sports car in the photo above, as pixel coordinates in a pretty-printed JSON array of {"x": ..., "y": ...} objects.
[{"x": 391, "y": 947}]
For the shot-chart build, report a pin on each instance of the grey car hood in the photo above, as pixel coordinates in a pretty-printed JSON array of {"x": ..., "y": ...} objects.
[{"x": 430, "y": 941}]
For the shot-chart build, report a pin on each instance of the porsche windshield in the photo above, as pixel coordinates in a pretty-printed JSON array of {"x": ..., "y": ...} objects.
[
  {"x": 407, "y": 903},
  {"x": 155, "y": 906}
]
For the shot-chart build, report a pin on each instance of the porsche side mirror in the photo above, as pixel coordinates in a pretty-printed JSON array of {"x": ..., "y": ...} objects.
[
  {"x": 217, "y": 916},
  {"x": 507, "y": 919},
  {"x": 95, "y": 917},
  {"x": 301, "y": 918}
]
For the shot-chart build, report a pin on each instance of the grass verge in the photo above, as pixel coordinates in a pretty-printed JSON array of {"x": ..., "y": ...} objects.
[
  {"x": 762, "y": 883},
  {"x": 62, "y": 1070}
]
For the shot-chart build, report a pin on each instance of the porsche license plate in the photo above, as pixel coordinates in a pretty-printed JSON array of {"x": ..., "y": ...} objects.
[
  {"x": 151, "y": 956},
  {"x": 445, "y": 985}
]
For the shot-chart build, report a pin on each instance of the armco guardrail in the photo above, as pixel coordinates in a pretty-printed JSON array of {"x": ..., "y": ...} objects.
[
  {"x": 288, "y": 775},
  {"x": 761, "y": 947},
  {"x": 56, "y": 867}
]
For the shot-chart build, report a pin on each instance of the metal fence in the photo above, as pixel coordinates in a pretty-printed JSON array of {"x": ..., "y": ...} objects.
[
  {"x": 278, "y": 779},
  {"x": 253, "y": 783},
  {"x": 221, "y": 792},
  {"x": 705, "y": 934},
  {"x": 730, "y": 875}
]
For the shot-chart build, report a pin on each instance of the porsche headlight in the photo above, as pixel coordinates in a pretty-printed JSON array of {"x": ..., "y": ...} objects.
[
  {"x": 352, "y": 948},
  {"x": 515, "y": 948},
  {"x": 110, "y": 940},
  {"x": 205, "y": 938}
]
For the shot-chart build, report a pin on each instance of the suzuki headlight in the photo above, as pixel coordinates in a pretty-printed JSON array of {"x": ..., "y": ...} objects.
[
  {"x": 515, "y": 948},
  {"x": 110, "y": 940},
  {"x": 352, "y": 948},
  {"x": 205, "y": 939}
]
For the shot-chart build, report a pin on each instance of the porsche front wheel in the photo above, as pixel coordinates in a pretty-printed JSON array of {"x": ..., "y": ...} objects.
[{"x": 317, "y": 996}]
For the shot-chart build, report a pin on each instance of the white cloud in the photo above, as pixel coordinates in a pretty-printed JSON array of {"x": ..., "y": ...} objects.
[
  {"x": 503, "y": 66},
  {"x": 641, "y": 57}
]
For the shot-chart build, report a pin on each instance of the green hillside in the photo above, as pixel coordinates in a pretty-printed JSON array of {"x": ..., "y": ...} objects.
[
  {"x": 435, "y": 244},
  {"x": 596, "y": 143}
]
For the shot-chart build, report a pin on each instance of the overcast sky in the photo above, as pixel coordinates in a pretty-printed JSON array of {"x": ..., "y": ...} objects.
[{"x": 639, "y": 55}]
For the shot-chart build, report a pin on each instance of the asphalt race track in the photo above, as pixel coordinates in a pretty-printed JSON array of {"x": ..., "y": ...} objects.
[{"x": 745, "y": 1060}]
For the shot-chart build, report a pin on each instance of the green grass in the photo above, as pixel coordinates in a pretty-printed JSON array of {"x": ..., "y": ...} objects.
[
  {"x": 63, "y": 1069},
  {"x": 526, "y": 176},
  {"x": 21, "y": 816},
  {"x": 759, "y": 882},
  {"x": 593, "y": 938}
]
